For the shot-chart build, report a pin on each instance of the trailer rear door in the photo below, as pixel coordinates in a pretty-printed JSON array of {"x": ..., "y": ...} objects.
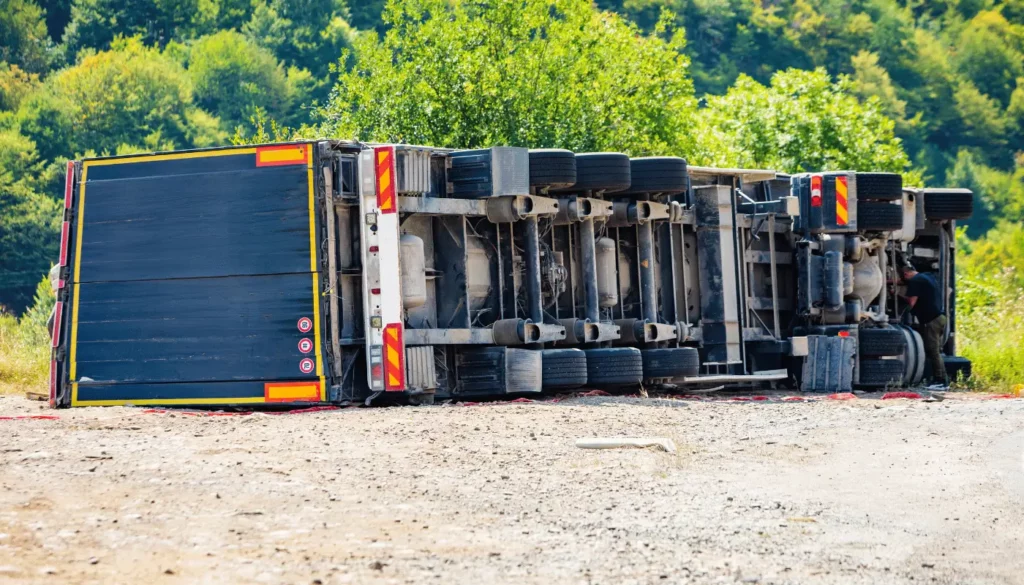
[{"x": 195, "y": 279}]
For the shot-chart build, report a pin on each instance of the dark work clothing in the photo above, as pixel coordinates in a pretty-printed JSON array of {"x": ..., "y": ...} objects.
[
  {"x": 929, "y": 299},
  {"x": 932, "y": 333}
]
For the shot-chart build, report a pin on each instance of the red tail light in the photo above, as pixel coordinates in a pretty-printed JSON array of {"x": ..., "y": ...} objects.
[
  {"x": 816, "y": 191},
  {"x": 69, "y": 182},
  {"x": 64, "y": 231}
]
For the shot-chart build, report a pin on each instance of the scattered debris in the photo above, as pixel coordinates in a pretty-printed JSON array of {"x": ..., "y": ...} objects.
[{"x": 663, "y": 443}]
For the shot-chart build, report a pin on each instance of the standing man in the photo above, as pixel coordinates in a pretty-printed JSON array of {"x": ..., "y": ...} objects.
[{"x": 925, "y": 300}]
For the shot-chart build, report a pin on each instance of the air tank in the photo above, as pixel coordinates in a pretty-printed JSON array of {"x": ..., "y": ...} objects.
[
  {"x": 478, "y": 273},
  {"x": 607, "y": 281},
  {"x": 414, "y": 272},
  {"x": 867, "y": 279}
]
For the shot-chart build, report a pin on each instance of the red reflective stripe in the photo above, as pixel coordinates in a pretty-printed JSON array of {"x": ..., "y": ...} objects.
[
  {"x": 384, "y": 161},
  {"x": 58, "y": 314},
  {"x": 65, "y": 230},
  {"x": 53, "y": 383},
  {"x": 69, "y": 182},
  {"x": 394, "y": 357}
]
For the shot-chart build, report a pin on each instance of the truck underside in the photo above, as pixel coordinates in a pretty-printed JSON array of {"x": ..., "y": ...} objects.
[{"x": 330, "y": 271}]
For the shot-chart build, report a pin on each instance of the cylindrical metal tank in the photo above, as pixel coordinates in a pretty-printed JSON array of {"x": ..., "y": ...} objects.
[
  {"x": 607, "y": 282},
  {"x": 414, "y": 272},
  {"x": 867, "y": 279},
  {"x": 478, "y": 273}
]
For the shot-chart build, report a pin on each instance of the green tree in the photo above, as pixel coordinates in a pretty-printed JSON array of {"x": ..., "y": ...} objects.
[
  {"x": 367, "y": 14},
  {"x": 535, "y": 72},
  {"x": 15, "y": 84},
  {"x": 23, "y": 39},
  {"x": 803, "y": 121},
  {"x": 233, "y": 76},
  {"x": 129, "y": 95},
  {"x": 29, "y": 242},
  {"x": 981, "y": 118},
  {"x": 309, "y": 34},
  {"x": 872, "y": 80},
  {"x": 986, "y": 57},
  {"x": 95, "y": 24}
]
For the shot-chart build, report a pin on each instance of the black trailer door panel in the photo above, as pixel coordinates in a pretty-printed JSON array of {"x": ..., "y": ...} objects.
[{"x": 195, "y": 279}]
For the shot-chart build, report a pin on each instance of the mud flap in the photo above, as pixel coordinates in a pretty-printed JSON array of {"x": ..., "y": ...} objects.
[{"x": 828, "y": 366}]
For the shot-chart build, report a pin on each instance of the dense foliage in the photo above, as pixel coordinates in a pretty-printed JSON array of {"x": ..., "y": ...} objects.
[
  {"x": 553, "y": 73},
  {"x": 931, "y": 89}
]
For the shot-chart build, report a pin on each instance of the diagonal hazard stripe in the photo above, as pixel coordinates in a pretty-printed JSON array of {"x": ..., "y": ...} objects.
[
  {"x": 842, "y": 191},
  {"x": 393, "y": 357}
]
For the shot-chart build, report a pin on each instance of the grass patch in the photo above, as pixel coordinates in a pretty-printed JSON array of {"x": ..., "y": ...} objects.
[
  {"x": 25, "y": 346},
  {"x": 24, "y": 355},
  {"x": 990, "y": 330}
]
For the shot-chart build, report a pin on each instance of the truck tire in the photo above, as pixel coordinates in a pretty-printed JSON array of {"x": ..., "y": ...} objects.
[
  {"x": 563, "y": 368},
  {"x": 614, "y": 367},
  {"x": 880, "y": 186},
  {"x": 602, "y": 171},
  {"x": 943, "y": 205},
  {"x": 879, "y": 373},
  {"x": 552, "y": 168},
  {"x": 496, "y": 371},
  {"x": 657, "y": 174},
  {"x": 670, "y": 363},
  {"x": 955, "y": 366},
  {"x": 878, "y": 216},
  {"x": 881, "y": 342}
]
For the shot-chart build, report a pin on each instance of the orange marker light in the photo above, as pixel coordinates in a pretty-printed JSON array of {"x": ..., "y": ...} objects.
[{"x": 285, "y": 154}]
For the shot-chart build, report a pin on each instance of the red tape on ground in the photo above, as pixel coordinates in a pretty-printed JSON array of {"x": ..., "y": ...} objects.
[
  {"x": 31, "y": 417},
  {"x": 894, "y": 395}
]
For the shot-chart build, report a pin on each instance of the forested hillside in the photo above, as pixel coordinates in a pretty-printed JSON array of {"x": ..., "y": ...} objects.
[{"x": 931, "y": 89}]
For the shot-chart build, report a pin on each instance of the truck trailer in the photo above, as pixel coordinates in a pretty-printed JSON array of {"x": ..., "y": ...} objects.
[{"x": 327, "y": 271}]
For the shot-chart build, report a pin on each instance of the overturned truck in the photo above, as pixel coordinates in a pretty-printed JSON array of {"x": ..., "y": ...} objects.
[{"x": 330, "y": 271}]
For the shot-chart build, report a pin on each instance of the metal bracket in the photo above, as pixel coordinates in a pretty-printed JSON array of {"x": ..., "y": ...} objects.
[
  {"x": 643, "y": 331},
  {"x": 580, "y": 331},
  {"x": 625, "y": 213},
  {"x": 510, "y": 208},
  {"x": 574, "y": 208}
]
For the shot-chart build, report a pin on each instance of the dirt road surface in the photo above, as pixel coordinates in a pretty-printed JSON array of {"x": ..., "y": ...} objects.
[{"x": 863, "y": 491}]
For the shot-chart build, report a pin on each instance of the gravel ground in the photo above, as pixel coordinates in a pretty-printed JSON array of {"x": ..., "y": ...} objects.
[{"x": 863, "y": 491}]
